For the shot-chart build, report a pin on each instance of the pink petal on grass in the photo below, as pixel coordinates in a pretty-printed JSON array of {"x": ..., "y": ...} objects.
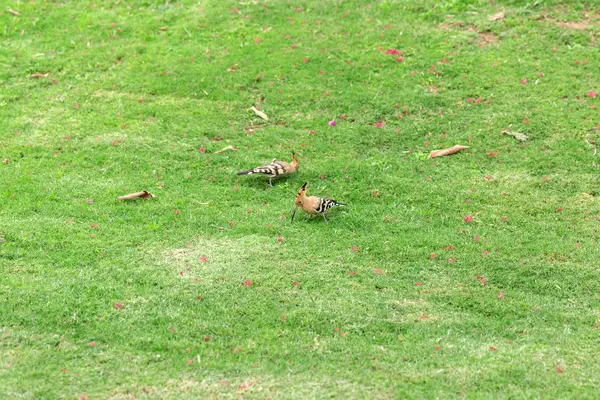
[
  {"x": 468, "y": 219},
  {"x": 247, "y": 282},
  {"x": 558, "y": 368},
  {"x": 393, "y": 52},
  {"x": 501, "y": 296},
  {"x": 332, "y": 122},
  {"x": 118, "y": 306},
  {"x": 355, "y": 248},
  {"x": 592, "y": 94}
]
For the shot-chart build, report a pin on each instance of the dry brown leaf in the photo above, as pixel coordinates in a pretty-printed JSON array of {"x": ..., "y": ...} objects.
[
  {"x": 225, "y": 149},
  {"x": 259, "y": 113},
  {"x": 445, "y": 152},
  {"x": 13, "y": 12},
  {"x": 497, "y": 16},
  {"x": 521, "y": 137},
  {"x": 47, "y": 74},
  {"x": 142, "y": 195},
  {"x": 163, "y": 28}
]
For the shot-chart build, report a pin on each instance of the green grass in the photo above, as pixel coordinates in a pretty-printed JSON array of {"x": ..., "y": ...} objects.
[{"x": 127, "y": 106}]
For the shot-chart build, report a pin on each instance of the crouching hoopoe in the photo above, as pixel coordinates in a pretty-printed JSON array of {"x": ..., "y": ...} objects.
[
  {"x": 275, "y": 169},
  {"x": 313, "y": 204}
]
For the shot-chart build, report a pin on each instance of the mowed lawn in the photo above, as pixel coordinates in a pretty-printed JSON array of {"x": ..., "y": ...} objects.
[{"x": 473, "y": 275}]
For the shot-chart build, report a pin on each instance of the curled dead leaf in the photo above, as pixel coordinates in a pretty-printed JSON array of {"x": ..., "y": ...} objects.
[
  {"x": 163, "y": 28},
  {"x": 521, "y": 137},
  {"x": 142, "y": 195},
  {"x": 498, "y": 16},
  {"x": 259, "y": 113},
  {"x": 40, "y": 75},
  {"x": 445, "y": 152}
]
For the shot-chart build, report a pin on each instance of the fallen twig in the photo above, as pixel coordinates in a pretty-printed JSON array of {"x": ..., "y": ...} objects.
[
  {"x": 142, "y": 195},
  {"x": 225, "y": 149},
  {"x": 448, "y": 151}
]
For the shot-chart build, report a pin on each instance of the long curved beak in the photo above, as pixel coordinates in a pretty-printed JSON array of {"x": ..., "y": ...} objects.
[{"x": 293, "y": 213}]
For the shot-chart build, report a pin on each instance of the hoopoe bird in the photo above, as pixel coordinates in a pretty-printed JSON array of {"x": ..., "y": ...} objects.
[
  {"x": 312, "y": 204},
  {"x": 274, "y": 169}
]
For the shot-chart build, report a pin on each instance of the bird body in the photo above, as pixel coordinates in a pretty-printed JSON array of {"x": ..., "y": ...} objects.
[
  {"x": 274, "y": 169},
  {"x": 312, "y": 204}
]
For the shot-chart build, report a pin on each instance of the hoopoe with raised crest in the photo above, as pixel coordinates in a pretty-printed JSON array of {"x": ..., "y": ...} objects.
[
  {"x": 274, "y": 169},
  {"x": 312, "y": 204}
]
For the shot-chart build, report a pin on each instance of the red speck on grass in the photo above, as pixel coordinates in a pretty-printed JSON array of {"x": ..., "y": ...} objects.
[
  {"x": 592, "y": 94},
  {"x": 65, "y": 370},
  {"x": 283, "y": 319},
  {"x": 118, "y": 306},
  {"x": 176, "y": 211},
  {"x": 296, "y": 283},
  {"x": 203, "y": 259},
  {"x": 247, "y": 282},
  {"x": 558, "y": 368},
  {"x": 432, "y": 256},
  {"x": 90, "y": 201},
  {"x": 493, "y": 348},
  {"x": 452, "y": 260},
  {"x": 280, "y": 239},
  {"x": 393, "y": 52},
  {"x": 190, "y": 362},
  {"x": 418, "y": 284},
  {"x": 206, "y": 338},
  {"x": 352, "y": 272},
  {"x": 202, "y": 150},
  {"x": 83, "y": 397},
  {"x": 501, "y": 296},
  {"x": 378, "y": 271},
  {"x": 476, "y": 238},
  {"x": 437, "y": 348},
  {"x": 355, "y": 248},
  {"x": 92, "y": 344},
  {"x": 468, "y": 219},
  {"x": 379, "y": 124},
  {"x": 524, "y": 81},
  {"x": 141, "y": 99}
]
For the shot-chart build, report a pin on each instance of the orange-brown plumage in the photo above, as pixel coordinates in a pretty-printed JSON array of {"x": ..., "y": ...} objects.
[{"x": 313, "y": 204}]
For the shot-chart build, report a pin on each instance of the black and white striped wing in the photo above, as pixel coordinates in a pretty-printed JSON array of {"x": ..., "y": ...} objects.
[
  {"x": 273, "y": 169},
  {"x": 326, "y": 204}
]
